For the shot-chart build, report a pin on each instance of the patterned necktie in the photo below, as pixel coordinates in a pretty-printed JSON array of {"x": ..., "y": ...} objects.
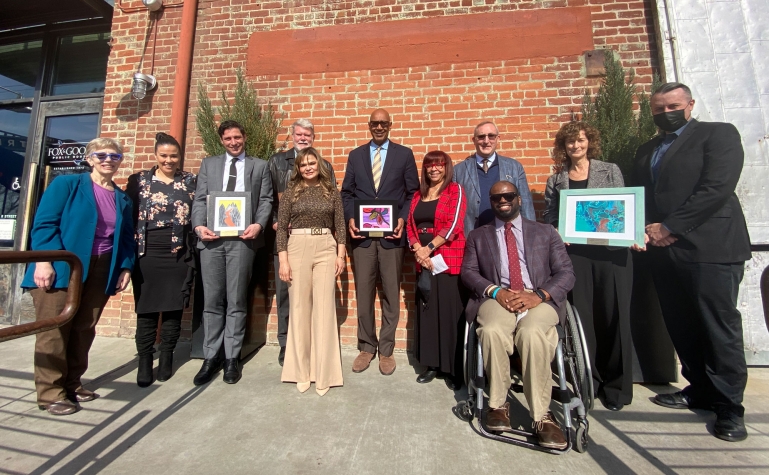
[
  {"x": 513, "y": 264},
  {"x": 233, "y": 175},
  {"x": 485, "y": 165},
  {"x": 376, "y": 168}
]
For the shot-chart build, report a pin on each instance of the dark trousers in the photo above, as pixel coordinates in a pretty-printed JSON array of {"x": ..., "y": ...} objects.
[
  {"x": 601, "y": 295},
  {"x": 281, "y": 295},
  {"x": 147, "y": 331},
  {"x": 61, "y": 355},
  {"x": 388, "y": 263},
  {"x": 699, "y": 305}
]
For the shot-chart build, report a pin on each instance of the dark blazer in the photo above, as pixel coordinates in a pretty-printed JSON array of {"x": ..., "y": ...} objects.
[
  {"x": 549, "y": 266},
  {"x": 66, "y": 221},
  {"x": 694, "y": 194},
  {"x": 256, "y": 181},
  {"x": 599, "y": 175},
  {"x": 399, "y": 182}
]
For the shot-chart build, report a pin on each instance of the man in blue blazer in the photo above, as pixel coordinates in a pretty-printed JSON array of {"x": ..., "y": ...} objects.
[
  {"x": 478, "y": 172},
  {"x": 227, "y": 262},
  {"x": 384, "y": 170}
]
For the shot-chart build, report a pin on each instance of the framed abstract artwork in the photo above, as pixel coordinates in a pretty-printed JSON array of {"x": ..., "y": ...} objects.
[
  {"x": 376, "y": 218},
  {"x": 229, "y": 212},
  {"x": 602, "y": 216}
]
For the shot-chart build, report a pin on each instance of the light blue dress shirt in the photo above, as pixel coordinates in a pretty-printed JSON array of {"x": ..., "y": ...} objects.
[{"x": 382, "y": 153}]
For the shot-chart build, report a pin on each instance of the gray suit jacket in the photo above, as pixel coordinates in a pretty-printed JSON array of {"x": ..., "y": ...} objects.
[
  {"x": 549, "y": 266},
  {"x": 466, "y": 174},
  {"x": 257, "y": 181},
  {"x": 599, "y": 175}
]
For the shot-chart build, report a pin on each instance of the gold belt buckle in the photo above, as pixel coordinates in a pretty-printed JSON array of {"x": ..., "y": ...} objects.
[{"x": 316, "y": 231}]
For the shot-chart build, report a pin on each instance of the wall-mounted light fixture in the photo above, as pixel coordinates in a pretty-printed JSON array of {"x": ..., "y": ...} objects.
[
  {"x": 142, "y": 84},
  {"x": 153, "y": 5}
]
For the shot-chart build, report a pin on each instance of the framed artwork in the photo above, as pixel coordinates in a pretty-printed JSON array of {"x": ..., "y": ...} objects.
[
  {"x": 376, "y": 218},
  {"x": 602, "y": 216},
  {"x": 229, "y": 212}
]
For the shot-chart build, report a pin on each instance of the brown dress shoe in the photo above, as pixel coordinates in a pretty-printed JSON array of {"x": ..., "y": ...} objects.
[
  {"x": 362, "y": 361},
  {"x": 498, "y": 419},
  {"x": 386, "y": 364},
  {"x": 549, "y": 433},
  {"x": 83, "y": 395},
  {"x": 64, "y": 407}
]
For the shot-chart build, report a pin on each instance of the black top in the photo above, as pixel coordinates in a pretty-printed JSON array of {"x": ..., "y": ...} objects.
[
  {"x": 577, "y": 184},
  {"x": 424, "y": 217}
]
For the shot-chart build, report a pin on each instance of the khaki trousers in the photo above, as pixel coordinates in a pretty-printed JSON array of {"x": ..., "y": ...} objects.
[
  {"x": 312, "y": 343},
  {"x": 61, "y": 355},
  {"x": 535, "y": 337}
]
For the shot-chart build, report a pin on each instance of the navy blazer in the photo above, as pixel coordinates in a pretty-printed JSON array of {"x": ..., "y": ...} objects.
[
  {"x": 694, "y": 195},
  {"x": 399, "y": 182},
  {"x": 549, "y": 265},
  {"x": 66, "y": 220}
]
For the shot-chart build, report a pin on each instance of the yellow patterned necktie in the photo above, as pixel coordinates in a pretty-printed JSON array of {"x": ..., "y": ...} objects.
[{"x": 376, "y": 168}]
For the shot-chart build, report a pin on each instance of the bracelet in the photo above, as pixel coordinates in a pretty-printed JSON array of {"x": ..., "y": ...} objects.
[{"x": 494, "y": 294}]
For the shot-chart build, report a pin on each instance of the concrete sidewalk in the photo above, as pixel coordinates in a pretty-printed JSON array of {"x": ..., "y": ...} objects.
[{"x": 373, "y": 425}]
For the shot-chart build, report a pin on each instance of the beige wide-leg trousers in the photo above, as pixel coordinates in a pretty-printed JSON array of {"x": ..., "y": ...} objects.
[
  {"x": 312, "y": 343},
  {"x": 535, "y": 337}
]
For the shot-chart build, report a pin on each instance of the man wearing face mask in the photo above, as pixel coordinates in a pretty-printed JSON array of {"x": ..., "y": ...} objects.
[{"x": 699, "y": 244}]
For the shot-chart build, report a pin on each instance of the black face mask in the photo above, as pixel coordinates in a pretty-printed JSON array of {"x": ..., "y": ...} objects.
[{"x": 670, "y": 121}]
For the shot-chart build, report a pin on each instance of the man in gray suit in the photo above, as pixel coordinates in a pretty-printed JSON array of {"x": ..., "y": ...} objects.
[
  {"x": 226, "y": 262},
  {"x": 478, "y": 172}
]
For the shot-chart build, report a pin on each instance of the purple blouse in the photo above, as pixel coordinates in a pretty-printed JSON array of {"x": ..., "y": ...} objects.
[{"x": 105, "y": 223}]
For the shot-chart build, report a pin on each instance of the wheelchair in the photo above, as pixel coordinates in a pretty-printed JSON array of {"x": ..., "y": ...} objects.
[{"x": 574, "y": 390}]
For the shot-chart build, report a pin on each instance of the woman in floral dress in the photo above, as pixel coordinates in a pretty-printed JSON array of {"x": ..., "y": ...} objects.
[{"x": 164, "y": 271}]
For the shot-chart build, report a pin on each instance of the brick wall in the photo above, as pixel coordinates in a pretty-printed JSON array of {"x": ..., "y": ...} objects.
[{"x": 433, "y": 106}]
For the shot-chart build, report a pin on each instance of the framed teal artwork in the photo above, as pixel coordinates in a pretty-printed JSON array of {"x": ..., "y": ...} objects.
[{"x": 602, "y": 216}]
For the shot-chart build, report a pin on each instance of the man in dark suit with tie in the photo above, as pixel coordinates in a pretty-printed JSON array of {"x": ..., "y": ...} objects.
[
  {"x": 519, "y": 275},
  {"x": 380, "y": 169},
  {"x": 699, "y": 245},
  {"x": 227, "y": 262}
]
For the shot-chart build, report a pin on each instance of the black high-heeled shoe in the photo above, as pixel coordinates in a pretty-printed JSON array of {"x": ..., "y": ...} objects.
[{"x": 144, "y": 373}]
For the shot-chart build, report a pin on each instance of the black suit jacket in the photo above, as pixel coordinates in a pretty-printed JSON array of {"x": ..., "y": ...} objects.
[
  {"x": 694, "y": 194},
  {"x": 548, "y": 263},
  {"x": 399, "y": 182}
]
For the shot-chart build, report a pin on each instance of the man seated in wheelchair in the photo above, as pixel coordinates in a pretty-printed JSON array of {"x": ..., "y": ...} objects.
[{"x": 518, "y": 274}]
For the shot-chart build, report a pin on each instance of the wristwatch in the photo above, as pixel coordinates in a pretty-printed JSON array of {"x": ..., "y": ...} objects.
[
  {"x": 541, "y": 294},
  {"x": 431, "y": 246}
]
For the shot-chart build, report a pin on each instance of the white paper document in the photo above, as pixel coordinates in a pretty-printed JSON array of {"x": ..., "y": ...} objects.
[{"x": 439, "y": 265}]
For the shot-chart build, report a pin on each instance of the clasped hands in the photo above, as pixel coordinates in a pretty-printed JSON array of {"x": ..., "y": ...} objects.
[
  {"x": 658, "y": 235},
  {"x": 517, "y": 300},
  {"x": 422, "y": 256}
]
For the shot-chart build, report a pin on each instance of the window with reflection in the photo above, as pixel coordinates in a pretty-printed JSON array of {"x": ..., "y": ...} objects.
[
  {"x": 14, "y": 126},
  {"x": 81, "y": 64},
  {"x": 19, "y": 68}
]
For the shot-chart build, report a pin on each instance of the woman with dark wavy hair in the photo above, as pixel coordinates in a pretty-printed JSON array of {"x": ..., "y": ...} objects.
[
  {"x": 435, "y": 228},
  {"x": 604, "y": 274}
]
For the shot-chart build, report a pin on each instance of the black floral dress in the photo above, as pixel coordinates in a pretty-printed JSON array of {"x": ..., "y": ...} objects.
[{"x": 164, "y": 271}]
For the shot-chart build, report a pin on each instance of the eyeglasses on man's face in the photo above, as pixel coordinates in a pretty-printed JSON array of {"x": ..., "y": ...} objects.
[
  {"x": 509, "y": 197},
  {"x": 375, "y": 124},
  {"x": 491, "y": 137},
  {"x": 101, "y": 156}
]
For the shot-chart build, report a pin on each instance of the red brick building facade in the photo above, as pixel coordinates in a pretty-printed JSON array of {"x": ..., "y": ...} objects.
[{"x": 438, "y": 67}]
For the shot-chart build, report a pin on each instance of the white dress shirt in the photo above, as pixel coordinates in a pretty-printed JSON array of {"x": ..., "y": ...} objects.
[{"x": 240, "y": 166}]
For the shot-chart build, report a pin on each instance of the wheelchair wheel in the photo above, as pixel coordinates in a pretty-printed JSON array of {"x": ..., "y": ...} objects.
[
  {"x": 471, "y": 342},
  {"x": 582, "y": 440},
  {"x": 577, "y": 347},
  {"x": 464, "y": 411}
]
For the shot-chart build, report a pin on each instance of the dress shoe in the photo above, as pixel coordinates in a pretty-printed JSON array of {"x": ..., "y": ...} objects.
[
  {"x": 321, "y": 392},
  {"x": 498, "y": 419},
  {"x": 362, "y": 361},
  {"x": 729, "y": 426},
  {"x": 427, "y": 376},
  {"x": 207, "y": 371},
  {"x": 451, "y": 384},
  {"x": 83, "y": 395},
  {"x": 612, "y": 406},
  {"x": 549, "y": 433},
  {"x": 64, "y": 407},
  {"x": 386, "y": 364},
  {"x": 303, "y": 387},
  {"x": 231, "y": 371},
  {"x": 165, "y": 365},
  {"x": 144, "y": 373},
  {"x": 676, "y": 400},
  {"x": 282, "y": 355}
]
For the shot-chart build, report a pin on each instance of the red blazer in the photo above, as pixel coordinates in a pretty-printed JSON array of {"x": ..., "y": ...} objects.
[{"x": 449, "y": 224}]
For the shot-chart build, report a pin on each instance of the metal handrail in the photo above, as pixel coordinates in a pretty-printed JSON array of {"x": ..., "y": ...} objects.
[{"x": 73, "y": 291}]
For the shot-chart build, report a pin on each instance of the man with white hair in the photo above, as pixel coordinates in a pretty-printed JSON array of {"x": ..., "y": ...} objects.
[{"x": 281, "y": 167}]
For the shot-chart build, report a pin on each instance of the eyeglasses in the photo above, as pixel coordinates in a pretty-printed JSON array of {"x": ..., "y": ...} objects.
[
  {"x": 375, "y": 124},
  {"x": 509, "y": 197},
  {"x": 491, "y": 137},
  {"x": 436, "y": 165},
  {"x": 115, "y": 157}
]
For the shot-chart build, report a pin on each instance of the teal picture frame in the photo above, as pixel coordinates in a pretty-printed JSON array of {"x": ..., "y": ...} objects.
[{"x": 602, "y": 216}]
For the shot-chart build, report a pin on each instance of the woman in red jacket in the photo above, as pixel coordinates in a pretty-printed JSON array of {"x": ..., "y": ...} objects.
[{"x": 436, "y": 235}]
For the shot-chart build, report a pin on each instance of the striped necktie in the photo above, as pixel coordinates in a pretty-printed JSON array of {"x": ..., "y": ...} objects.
[{"x": 376, "y": 168}]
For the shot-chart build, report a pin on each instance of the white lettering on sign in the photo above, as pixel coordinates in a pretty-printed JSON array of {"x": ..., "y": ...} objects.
[{"x": 63, "y": 153}]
